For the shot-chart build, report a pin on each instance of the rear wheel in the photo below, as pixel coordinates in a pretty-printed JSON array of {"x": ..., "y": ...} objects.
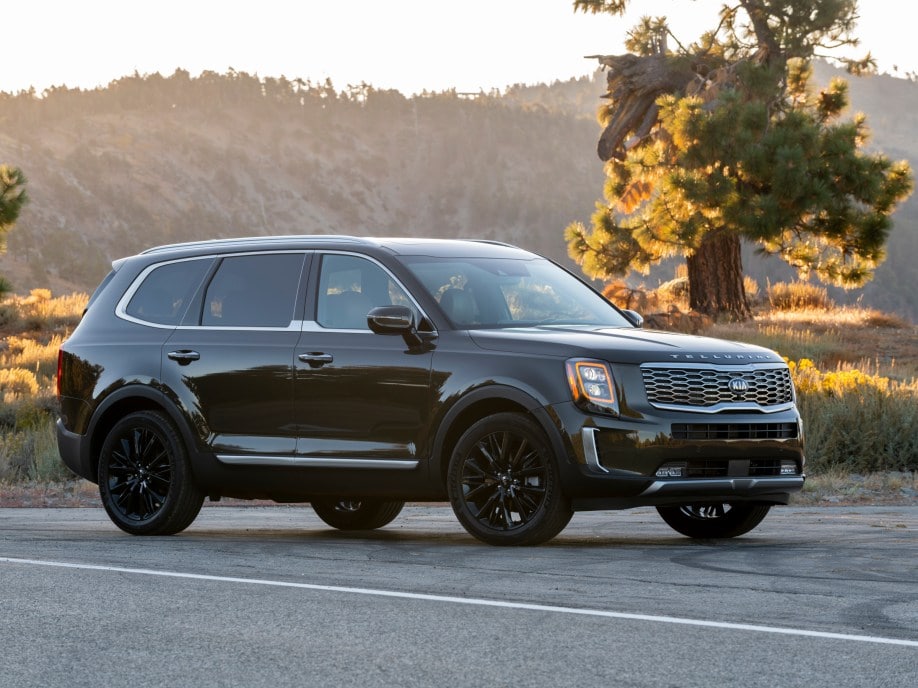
[
  {"x": 145, "y": 481},
  {"x": 357, "y": 514},
  {"x": 713, "y": 520},
  {"x": 503, "y": 482}
]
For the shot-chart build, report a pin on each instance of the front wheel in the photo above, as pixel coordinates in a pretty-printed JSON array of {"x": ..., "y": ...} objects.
[
  {"x": 357, "y": 514},
  {"x": 706, "y": 521},
  {"x": 145, "y": 481},
  {"x": 503, "y": 482}
]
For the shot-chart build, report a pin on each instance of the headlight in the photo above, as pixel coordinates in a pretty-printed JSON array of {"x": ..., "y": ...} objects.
[{"x": 592, "y": 386}]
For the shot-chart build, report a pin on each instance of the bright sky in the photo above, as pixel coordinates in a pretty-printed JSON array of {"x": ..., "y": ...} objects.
[{"x": 409, "y": 45}]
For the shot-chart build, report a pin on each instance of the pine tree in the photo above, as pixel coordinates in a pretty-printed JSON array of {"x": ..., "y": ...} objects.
[
  {"x": 12, "y": 197},
  {"x": 724, "y": 140}
]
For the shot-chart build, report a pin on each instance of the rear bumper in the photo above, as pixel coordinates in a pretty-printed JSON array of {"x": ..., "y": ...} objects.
[{"x": 70, "y": 447}]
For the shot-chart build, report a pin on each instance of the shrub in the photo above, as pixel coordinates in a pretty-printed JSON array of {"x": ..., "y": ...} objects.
[
  {"x": 39, "y": 311},
  {"x": 16, "y": 383},
  {"x": 798, "y": 296},
  {"x": 855, "y": 421},
  {"x": 9, "y": 315}
]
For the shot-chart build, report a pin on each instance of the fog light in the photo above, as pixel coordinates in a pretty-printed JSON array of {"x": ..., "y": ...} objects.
[
  {"x": 788, "y": 468},
  {"x": 671, "y": 470}
]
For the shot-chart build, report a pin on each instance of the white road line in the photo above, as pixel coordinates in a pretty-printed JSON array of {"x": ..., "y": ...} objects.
[{"x": 470, "y": 601}]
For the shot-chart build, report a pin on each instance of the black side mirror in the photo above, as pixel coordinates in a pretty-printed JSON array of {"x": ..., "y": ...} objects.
[
  {"x": 634, "y": 318},
  {"x": 394, "y": 320},
  {"x": 390, "y": 319}
]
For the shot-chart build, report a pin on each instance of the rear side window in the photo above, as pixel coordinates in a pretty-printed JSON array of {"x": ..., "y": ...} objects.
[
  {"x": 254, "y": 291},
  {"x": 167, "y": 290}
]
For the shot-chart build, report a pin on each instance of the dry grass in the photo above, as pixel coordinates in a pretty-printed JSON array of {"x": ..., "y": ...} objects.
[
  {"x": 836, "y": 488},
  {"x": 866, "y": 339}
]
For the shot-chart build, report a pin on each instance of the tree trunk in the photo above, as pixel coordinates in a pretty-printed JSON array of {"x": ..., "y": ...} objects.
[{"x": 715, "y": 275}]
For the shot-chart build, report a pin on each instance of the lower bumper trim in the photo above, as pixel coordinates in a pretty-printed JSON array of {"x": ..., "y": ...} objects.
[{"x": 725, "y": 486}]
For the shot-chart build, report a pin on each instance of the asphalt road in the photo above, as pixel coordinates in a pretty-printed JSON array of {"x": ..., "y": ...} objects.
[{"x": 269, "y": 596}]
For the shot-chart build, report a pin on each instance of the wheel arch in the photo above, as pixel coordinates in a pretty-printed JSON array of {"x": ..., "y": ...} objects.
[
  {"x": 122, "y": 403},
  {"x": 485, "y": 402}
]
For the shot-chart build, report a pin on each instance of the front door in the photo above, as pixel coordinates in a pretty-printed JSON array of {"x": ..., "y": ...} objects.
[{"x": 362, "y": 399}]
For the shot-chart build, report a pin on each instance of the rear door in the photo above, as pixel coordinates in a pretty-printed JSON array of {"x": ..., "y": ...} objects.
[{"x": 231, "y": 362}]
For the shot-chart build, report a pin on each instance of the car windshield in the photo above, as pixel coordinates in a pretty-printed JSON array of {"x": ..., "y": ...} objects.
[{"x": 502, "y": 292}]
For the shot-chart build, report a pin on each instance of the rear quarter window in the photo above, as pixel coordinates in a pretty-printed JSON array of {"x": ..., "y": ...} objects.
[{"x": 166, "y": 290}]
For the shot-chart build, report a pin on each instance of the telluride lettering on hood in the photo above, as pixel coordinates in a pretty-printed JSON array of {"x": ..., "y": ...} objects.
[{"x": 356, "y": 374}]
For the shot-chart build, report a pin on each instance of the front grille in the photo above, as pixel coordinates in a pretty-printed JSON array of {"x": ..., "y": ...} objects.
[
  {"x": 705, "y": 387},
  {"x": 713, "y": 468},
  {"x": 734, "y": 431}
]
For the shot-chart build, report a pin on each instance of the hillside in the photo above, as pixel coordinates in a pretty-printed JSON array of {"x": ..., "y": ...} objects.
[{"x": 152, "y": 159}]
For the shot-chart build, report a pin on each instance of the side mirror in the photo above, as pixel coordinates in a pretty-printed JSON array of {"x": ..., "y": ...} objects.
[
  {"x": 634, "y": 317},
  {"x": 390, "y": 320},
  {"x": 395, "y": 320}
]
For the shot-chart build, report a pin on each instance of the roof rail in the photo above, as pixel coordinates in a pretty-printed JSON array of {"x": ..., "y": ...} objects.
[{"x": 259, "y": 240}]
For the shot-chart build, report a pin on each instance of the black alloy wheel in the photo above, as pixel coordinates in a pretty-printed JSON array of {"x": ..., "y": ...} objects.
[
  {"x": 706, "y": 521},
  {"x": 144, "y": 479},
  {"x": 356, "y": 514},
  {"x": 503, "y": 483}
]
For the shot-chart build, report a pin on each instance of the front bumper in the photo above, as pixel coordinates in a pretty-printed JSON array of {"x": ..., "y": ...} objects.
[{"x": 622, "y": 462}]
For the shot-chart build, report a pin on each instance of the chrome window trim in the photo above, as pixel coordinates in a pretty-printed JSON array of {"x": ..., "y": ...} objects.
[
  {"x": 121, "y": 307},
  {"x": 313, "y": 325}
]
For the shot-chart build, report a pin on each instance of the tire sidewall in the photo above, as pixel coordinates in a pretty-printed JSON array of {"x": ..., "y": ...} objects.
[
  {"x": 553, "y": 512},
  {"x": 164, "y": 520},
  {"x": 370, "y": 515},
  {"x": 740, "y": 519}
]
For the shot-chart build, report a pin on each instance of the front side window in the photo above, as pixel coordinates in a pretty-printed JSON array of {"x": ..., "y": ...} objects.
[
  {"x": 501, "y": 292},
  {"x": 350, "y": 287},
  {"x": 167, "y": 290},
  {"x": 253, "y": 291}
]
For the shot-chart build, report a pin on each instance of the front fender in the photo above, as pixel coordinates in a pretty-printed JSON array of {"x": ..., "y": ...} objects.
[{"x": 483, "y": 401}]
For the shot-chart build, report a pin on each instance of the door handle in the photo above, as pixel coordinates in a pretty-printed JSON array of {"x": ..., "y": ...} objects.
[
  {"x": 316, "y": 359},
  {"x": 184, "y": 356}
]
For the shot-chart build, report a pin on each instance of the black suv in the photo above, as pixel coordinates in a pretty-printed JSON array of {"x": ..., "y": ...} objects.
[{"x": 357, "y": 374}]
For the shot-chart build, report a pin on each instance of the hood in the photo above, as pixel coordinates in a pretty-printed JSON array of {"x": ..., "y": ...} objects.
[{"x": 621, "y": 345}]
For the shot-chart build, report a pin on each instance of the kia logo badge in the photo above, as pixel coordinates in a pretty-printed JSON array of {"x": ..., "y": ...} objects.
[{"x": 738, "y": 385}]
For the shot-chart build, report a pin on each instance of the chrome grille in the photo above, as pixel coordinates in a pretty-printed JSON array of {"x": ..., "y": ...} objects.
[{"x": 709, "y": 388}]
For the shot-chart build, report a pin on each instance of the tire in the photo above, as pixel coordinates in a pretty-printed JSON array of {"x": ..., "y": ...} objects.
[
  {"x": 708, "y": 521},
  {"x": 357, "y": 514},
  {"x": 144, "y": 477},
  {"x": 503, "y": 482}
]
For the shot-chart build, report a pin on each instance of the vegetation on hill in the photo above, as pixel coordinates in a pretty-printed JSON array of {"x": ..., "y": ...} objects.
[{"x": 152, "y": 159}]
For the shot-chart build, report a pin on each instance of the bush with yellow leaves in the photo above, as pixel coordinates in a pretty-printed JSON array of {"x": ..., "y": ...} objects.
[{"x": 856, "y": 421}]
